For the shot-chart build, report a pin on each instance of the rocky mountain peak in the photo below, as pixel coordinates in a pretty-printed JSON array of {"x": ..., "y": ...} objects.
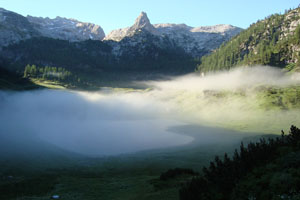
[
  {"x": 142, "y": 23},
  {"x": 142, "y": 20}
]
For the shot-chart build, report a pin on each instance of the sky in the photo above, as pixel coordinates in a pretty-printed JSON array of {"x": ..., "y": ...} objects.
[{"x": 114, "y": 14}]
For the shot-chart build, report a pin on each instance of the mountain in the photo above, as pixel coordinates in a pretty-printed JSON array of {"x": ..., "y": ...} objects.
[
  {"x": 66, "y": 29},
  {"x": 15, "y": 27},
  {"x": 273, "y": 41},
  {"x": 194, "y": 41},
  {"x": 142, "y": 23},
  {"x": 198, "y": 40},
  {"x": 142, "y": 51}
]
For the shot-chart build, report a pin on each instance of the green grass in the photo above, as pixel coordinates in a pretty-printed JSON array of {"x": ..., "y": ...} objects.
[
  {"x": 49, "y": 84},
  {"x": 283, "y": 98},
  {"x": 263, "y": 109}
]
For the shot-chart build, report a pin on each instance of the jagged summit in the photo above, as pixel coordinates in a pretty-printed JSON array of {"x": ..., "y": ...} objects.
[
  {"x": 178, "y": 32},
  {"x": 142, "y": 20},
  {"x": 194, "y": 40},
  {"x": 142, "y": 23}
]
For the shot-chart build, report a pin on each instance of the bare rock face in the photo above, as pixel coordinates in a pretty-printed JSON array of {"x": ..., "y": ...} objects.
[
  {"x": 142, "y": 23},
  {"x": 220, "y": 28},
  {"x": 14, "y": 27},
  {"x": 195, "y": 41},
  {"x": 66, "y": 29}
]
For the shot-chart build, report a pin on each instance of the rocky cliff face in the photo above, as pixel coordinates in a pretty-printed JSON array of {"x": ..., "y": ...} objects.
[
  {"x": 66, "y": 29},
  {"x": 195, "y": 41},
  {"x": 14, "y": 27}
]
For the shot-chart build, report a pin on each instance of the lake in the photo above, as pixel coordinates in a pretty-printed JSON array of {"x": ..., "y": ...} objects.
[{"x": 93, "y": 124}]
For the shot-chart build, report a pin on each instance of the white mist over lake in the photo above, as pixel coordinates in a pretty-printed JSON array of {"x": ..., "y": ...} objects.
[
  {"x": 112, "y": 122},
  {"x": 75, "y": 121}
]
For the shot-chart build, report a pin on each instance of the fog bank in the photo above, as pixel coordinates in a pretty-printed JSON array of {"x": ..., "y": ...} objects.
[
  {"x": 238, "y": 78},
  {"x": 106, "y": 126},
  {"x": 245, "y": 98},
  {"x": 111, "y": 122}
]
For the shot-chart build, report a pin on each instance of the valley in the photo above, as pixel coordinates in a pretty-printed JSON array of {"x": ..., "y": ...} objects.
[{"x": 138, "y": 112}]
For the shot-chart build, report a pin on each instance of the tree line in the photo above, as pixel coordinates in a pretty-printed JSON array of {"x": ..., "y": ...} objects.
[{"x": 49, "y": 73}]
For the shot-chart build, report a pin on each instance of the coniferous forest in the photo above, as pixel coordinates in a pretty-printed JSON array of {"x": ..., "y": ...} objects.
[
  {"x": 272, "y": 41},
  {"x": 268, "y": 169}
]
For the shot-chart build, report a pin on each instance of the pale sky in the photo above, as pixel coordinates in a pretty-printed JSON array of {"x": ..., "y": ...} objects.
[{"x": 113, "y": 14}]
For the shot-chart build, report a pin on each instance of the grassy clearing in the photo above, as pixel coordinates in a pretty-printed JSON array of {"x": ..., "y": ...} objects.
[
  {"x": 263, "y": 109},
  {"x": 48, "y": 84}
]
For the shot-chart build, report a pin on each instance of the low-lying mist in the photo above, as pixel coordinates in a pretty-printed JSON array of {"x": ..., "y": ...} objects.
[
  {"x": 238, "y": 78},
  {"x": 253, "y": 99},
  {"x": 76, "y": 121},
  {"x": 110, "y": 122}
]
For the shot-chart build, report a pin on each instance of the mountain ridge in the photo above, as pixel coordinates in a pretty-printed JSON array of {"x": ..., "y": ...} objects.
[
  {"x": 196, "y": 41},
  {"x": 67, "y": 29},
  {"x": 145, "y": 50},
  {"x": 14, "y": 28},
  {"x": 219, "y": 28}
]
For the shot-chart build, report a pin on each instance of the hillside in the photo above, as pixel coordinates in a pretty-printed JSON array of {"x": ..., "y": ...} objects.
[
  {"x": 267, "y": 169},
  {"x": 273, "y": 41},
  {"x": 94, "y": 61}
]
